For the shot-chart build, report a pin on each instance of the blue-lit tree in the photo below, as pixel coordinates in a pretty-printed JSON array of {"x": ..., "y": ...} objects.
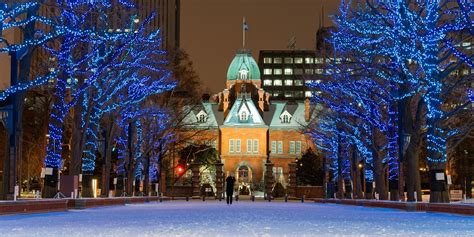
[
  {"x": 410, "y": 48},
  {"x": 100, "y": 70}
]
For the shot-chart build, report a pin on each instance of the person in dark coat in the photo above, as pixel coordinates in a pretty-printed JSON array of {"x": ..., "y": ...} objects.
[{"x": 230, "y": 180}]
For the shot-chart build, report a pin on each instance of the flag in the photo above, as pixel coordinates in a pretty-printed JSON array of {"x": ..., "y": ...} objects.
[{"x": 246, "y": 27}]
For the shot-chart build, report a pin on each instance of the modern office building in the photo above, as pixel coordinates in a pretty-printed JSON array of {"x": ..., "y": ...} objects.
[
  {"x": 168, "y": 19},
  {"x": 285, "y": 73}
]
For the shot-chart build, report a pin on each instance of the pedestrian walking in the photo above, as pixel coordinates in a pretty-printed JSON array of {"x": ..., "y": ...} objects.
[{"x": 230, "y": 181}]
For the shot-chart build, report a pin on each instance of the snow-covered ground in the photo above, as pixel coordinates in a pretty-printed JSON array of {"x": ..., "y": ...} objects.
[{"x": 213, "y": 218}]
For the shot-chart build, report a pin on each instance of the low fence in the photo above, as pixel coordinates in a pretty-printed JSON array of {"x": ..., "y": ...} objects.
[
  {"x": 463, "y": 209},
  {"x": 309, "y": 191}
]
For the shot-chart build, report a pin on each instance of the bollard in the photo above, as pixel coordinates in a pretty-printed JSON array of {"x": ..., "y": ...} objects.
[
  {"x": 161, "y": 199},
  {"x": 236, "y": 198},
  {"x": 269, "y": 198},
  {"x": 203, "y": 198},
  {"x": 286, "y": 197},
  {"x": 302, "y": 198},
  {"x": 187, "y": 198},
  {"x": 253, "y": 198}
]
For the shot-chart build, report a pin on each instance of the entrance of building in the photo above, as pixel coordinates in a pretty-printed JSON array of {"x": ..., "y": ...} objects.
[{"x": 244, "y": 179}]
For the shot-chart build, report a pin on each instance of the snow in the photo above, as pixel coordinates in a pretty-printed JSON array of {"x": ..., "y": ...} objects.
[{"x": 214, "y": 218}]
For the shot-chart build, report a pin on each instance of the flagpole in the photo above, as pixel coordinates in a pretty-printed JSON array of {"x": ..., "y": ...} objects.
[{"x": 243, "y": 32}]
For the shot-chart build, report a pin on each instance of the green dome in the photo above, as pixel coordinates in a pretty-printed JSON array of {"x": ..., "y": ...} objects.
[{"x": 244, "y": 67}]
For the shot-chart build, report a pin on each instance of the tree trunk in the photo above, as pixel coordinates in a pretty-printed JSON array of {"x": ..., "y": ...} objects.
[
  {"x": 413, "y": 169},
  {"x": 379, "y": 178}
]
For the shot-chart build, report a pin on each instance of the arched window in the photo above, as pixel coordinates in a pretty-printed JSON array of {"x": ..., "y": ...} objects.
[
  {"x": 243, "y": 116},
  {"x": 202, "y": 118},
  {"x": 243, "y": 74}
]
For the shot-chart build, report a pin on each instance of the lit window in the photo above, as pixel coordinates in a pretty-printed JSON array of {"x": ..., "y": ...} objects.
[
  {"x": 298, "y": 147},
  {"x": 237, "y": 147},
  {"x": 243, "y": 116},
  {"x": 277, "y": 82},
  {"x": 277, "y": 60},
  {"x": 280, "y": 147},
  {"x": 267, "y": 71},
  {"x": 318, "y": 71},
  {"x": 288, "y": 82},
  {"x": 288, "y": 60},
  {"x": 292, "y": 147},
  {"x": 288, "y": 71},
  {"x": 285, "y": 119},
  {"x": 298, "y": 71},
  {"x": 308, "y": 82},
  {"x": 276, "y": 93},
  {"x": 277, "y": 71},
  {"x": 318, "y": 60},
  {"x": 274, "y": 147},
  {"x": 267, "y": 82},
  {"x": 308, "y": 60},
  {"x": 267, "y": 60},
  {"x": 298, "y": 60},
  {"x": 288, "y": 94},
  {"x": 308, "y": 94},
  {"x": 249, "y": 145},
  {"x": 202, "y": 118},
  {"x": 308, "y": 71},
  {"x": 255, "y": 145},
  {"x": 298, "y": 82},
  {"x": 231, "y": 145}
]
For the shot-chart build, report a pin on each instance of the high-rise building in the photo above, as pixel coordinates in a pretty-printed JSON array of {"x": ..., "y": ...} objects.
[
  {"x": 285, "y": 73},
  {"x": 167, "y": 19}
]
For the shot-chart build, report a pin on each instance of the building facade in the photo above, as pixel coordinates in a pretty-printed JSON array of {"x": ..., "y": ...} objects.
[
  {"x": 251, "y": 128},
  {"x": 286, "y": 72}
]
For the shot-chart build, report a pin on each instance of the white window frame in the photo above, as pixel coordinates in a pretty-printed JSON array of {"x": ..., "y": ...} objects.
[
  {"x": 274, "y": 147},
  {"x": 267, "y": 82},
  {"x": 277, "y": 82},
  {"x": 298, "y": 147},
  {"x": 231, "y": 145},
  {"x": 249, "y": 145},
  {"x": 267, "y": 60},
  {"x": 255, "y": 145},
  {"x": 280, "y": 147},
  {"x": 238, "y": 145},
  {"x": 292, "y": 147},
  {"x": 277, "y": 71}
]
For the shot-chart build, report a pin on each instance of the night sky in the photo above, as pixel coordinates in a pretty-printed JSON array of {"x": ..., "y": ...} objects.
[{"x": 211, "y": 30}]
